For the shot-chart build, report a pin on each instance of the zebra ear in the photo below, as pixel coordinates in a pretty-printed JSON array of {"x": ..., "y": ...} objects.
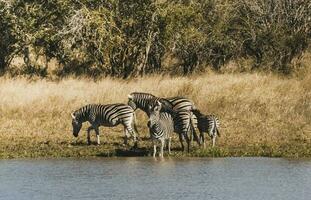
[
  {"x": 130, "y": 97},
  {"x": 73, "y": 116}
]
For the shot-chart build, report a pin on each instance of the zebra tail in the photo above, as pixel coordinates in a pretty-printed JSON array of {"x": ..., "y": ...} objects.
[
  {"x": 216, "y": 127},
  {"x": 217, "y": 131}
]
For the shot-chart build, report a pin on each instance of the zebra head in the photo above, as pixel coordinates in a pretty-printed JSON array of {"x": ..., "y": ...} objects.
[
  {"x": 154, "y": 114},
  {"x": 140, "y": 100},
  {"x": 131, "y": 101},
  {"x": 76, "y": 125}
]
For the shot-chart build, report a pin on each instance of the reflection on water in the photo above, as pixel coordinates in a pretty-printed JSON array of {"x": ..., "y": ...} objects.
[{"x": 148, "y": 178}]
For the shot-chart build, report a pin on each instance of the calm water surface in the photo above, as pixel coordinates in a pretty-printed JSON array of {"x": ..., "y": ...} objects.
[{"x": 146, "y": 178}]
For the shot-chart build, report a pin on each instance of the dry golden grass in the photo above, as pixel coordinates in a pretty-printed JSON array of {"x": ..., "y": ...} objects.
[{"x": 261, "y": 115}]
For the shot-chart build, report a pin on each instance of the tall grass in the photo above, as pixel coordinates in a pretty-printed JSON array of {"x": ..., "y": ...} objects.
[{"x": 261, "y": 115}]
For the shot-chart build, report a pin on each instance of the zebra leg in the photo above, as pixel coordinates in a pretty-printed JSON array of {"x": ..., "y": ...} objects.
[
  {"x": 154, "y": 149},
  {"x": 132, "y": 132},
  {"x": 126, "y": 135},
  {"x": 162, "y": 147},
  {"x": 97, "y": 135},
  {"x": 214, "y": 140},
  {"x": 135, "y": 126},
  {"x": 181, "y": 142},
  {"x": 134, "y": 136},
  {"x": 188, "y": 142},
  {"x": 188, "y": 145},
  {"x": 196, "y": 137},
  {"x": 169, "y": 145},
  {"x": 202, "y": 138},
  {"x": 191, "y": 137},
  {"x": 88, "y": 137}
]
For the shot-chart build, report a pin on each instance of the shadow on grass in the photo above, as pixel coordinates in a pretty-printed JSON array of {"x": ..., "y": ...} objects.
[
  {"x": 144, "y": 139},
  {"x": 79, "y": 143}
]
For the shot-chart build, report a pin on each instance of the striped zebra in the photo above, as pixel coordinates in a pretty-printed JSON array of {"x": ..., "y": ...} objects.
[
  {"x": 161, "y": 125},
  {"x": 182, "y": 122},
  {"x": 144, "y": 101},
  {"x": 185, "y": 125},
  {"x": 207, "y": 124},
  {"x": 105, "y": 115}
]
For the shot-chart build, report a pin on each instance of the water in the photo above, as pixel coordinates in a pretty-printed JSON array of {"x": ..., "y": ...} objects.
[{"x": 146, "y": 178}]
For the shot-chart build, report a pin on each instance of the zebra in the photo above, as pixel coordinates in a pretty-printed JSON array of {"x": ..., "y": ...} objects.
[
  {"x": 185, "y": 125},
  {"x": 161, "y": 125},
  {"x": 105, "y": 115},
  {"x": 183, "y": 122},
  {"x": 207, "y": 124},
  {"x": 145, "y": 101}
]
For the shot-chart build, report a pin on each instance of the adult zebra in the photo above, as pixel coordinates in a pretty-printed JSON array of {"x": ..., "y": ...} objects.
[
  {"x": 161, "y": 124},
  {"x": 105, "y": 115},
  {"x": 144, "y": 101}
]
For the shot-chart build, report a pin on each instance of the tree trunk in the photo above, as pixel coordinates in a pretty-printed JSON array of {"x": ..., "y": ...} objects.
[{"x": 2, "y": 64}]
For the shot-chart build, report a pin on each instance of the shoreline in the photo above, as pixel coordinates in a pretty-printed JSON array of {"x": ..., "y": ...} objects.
[{"x": 82, "y": 150}]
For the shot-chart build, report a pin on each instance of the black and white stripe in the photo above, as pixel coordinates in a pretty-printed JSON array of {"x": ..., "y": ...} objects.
[
  {"x": 181, "y": 103},
  {"x": 144, "y": 101},
  {"x": 105, "y": 115},
  {"x": 185, "y": 124},
  {"x": 182, "y": 122},
  {"x": 161, "y": 125},
  {"x": 207, "y": 124}
]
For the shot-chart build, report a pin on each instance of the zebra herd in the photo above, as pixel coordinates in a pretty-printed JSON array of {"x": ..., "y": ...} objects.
[{"x": 166, "y": 115}]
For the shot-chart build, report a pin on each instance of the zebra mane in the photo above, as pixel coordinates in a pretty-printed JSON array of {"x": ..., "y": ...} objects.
[
  {"x": 146, "y": 95},
  {"x": 167, "y": 106},
  {"x": 82, "y": 112}
]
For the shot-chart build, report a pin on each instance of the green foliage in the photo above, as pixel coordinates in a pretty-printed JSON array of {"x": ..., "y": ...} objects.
[
  {"x": 126, "y": 38},
  {"x": 7, "y": 36},
  {"x": 273, "y": 32}
]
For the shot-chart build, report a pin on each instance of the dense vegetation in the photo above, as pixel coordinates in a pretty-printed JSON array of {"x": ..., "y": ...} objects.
[{"x": 135, "y": 37}]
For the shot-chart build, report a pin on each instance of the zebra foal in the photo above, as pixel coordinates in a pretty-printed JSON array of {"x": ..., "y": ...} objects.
[
  {"x": 161, "y": 126},
  {"x": 207, "y": 124},
  {"x": 105, "y": 115}
]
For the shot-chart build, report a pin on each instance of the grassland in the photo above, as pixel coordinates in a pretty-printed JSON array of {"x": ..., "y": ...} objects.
[{"x": 261, "y": 114}]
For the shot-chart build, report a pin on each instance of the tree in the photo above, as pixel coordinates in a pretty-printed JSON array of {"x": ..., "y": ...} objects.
[{"x": 7, "y": 36}]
